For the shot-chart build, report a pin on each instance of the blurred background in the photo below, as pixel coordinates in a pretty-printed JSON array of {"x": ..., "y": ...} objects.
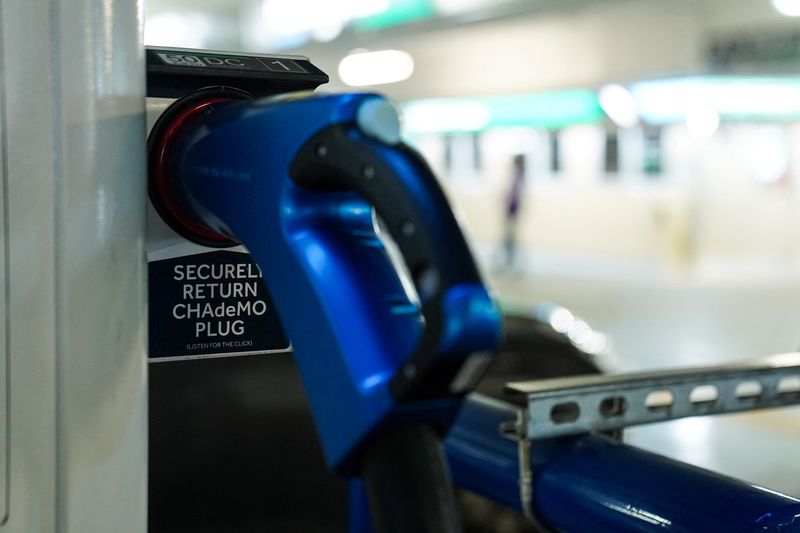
[{"x": 635, "y": 162}]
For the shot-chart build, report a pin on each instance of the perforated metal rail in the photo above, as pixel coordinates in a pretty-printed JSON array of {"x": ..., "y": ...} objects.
[{"x": 571, "y": 406}]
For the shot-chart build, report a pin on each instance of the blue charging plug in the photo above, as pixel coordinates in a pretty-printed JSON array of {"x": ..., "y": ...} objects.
[
  {"x": 295, "y": 179},
  {"x": 304, "y": 182}
]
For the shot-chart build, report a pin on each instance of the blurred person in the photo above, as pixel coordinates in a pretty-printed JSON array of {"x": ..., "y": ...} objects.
[{"x": 512, "y": 210}]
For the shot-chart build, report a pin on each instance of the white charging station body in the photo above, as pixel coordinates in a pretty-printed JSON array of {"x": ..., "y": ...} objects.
[{"x": 73, "y": 381}]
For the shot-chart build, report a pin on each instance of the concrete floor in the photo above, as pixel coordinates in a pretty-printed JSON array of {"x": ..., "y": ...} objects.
[{"x": 655, "y": 321}]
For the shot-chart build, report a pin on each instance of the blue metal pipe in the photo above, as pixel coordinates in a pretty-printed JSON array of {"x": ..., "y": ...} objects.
[
  {"x": 594, "y": 484},
  {"x": 481, "y": 460}
]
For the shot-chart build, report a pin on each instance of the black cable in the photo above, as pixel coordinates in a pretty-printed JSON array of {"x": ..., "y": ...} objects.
[{"x": 408, "y": 483}]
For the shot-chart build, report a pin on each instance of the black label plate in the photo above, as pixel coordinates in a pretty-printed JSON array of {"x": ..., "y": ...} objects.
[
  {"x": 210, "y": 304},
  {"x": 228, "y": 62},
  {"x": 172, "y": 73}
]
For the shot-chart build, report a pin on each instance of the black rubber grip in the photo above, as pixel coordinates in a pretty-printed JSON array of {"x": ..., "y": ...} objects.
[
  {"x": 408, "y": 483},
  {"x": 417, "y": 215},
  {"x": 415, "y": 212}
]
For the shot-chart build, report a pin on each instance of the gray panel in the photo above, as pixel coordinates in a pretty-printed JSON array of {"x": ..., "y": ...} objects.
[{"x": 4, "y": 378}]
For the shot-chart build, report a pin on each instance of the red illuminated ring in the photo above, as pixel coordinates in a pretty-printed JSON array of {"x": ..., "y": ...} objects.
[
  {"x": 164, "y": 190},
  {"x": 161, "y": 143}
]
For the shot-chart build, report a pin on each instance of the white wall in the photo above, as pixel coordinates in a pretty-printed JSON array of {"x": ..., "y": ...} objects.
[
  {"x": 571, "y": 43},
  {"x": 586, "y": 45},
  {"x": 708, "y": 207}
]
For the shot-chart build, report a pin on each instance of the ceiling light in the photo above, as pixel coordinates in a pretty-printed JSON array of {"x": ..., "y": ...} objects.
[
  {"x": 732, "y": 97},
  {"x": 790, "y": 8},
  {"x": 186, "y": 30},
  {"x": 292, "y": 17},
  {"x": 326, "y": 34},
  {"x": 619, "y": 104},
  {"x": 702, "y": 121},
  {"x": 376, "y": 68},
  {"x": 456, "y": 7},
  {"x": 442, "y": 116}
]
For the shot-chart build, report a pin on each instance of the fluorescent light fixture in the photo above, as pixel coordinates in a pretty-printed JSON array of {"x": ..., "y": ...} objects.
[
  {"x": 442, "y": 116},
  {"x": 376, "y": 68},
  {"x": 561, "y": 319},
  {"x": 702, "y": 121},
  {"x": 298, "y": 17},
  {"x": 188, "y": 30},
  {"x": 327, "y": 33},
  {"x": 579, "y": 331},
  {"x": 362, "y": 8},
  {"x": 619, "y": 104},
  {"x": 790, "y": 8},
  {"x": 737, "y": 98},
  {"x": 753, "y": 97},
  {"x": 455, "y": 7},
  {"x": 665, "y": 101},
  {"x": 769, "y": 153}
]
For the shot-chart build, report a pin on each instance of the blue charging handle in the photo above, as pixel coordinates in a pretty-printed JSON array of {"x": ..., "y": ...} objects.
[{"x": 296, "y": 179}]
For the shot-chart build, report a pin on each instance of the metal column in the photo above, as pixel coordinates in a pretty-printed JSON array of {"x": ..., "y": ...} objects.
[{"x": 73, "y": 412}]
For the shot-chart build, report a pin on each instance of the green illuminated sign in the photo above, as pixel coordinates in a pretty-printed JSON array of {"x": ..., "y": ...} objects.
[{"x": 547, "y": 110}]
